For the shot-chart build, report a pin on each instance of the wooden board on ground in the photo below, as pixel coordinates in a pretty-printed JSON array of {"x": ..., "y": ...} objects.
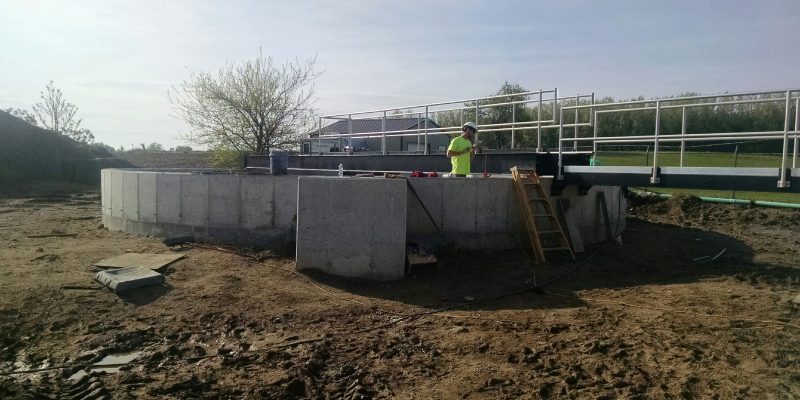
[{"x": 141, "y": 260}]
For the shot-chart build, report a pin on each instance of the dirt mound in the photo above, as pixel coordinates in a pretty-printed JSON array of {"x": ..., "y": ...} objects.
[
  {"x": 689, "y": 210},
  {"x": 31, "y": 153}
]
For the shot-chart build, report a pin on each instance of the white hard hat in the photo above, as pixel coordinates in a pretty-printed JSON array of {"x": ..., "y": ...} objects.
[{"x": 471, "y": 125}]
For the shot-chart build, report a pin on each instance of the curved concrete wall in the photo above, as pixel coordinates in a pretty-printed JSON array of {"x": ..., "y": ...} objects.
[
  {"x": 254, "y": 210},
  {"x": 354, "y": 227}
]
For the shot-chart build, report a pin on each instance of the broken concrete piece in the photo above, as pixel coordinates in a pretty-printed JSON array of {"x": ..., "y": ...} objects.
[
  {"x": 142, "y": 260},
  {"x": 120, "y": 280}
]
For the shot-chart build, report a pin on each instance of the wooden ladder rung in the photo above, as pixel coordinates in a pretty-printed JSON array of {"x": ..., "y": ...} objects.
[
  {"x": 555, "y": 248},
  {"x": 550, "y": 231}
]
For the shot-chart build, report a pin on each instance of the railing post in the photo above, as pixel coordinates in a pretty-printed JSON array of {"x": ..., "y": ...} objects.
[
  {"x": 560, "y": 173},
  {"x": 383, "y": 136},
  {"x": 655, "y": 179},
  {"x": 557, "y": 111},
  {"x": 513, "y": 119},
  {"x": 595, "y": 128},
  {"x": 555, "y": 104},
  {"x": 350, "y": 134},
  {"x": 476, "y": 120},
  {"x": 419, "y": 122},
  {"x": 425, "y": 150},
  {"x": 683, "y": 133},
  {"x": 319, "y": 136},
  {"x": 783, "y": 183},
  {"x": 539, "y": 124},
  {"x": 796, "y": 129},
  {"x": 575, "y": 142}
]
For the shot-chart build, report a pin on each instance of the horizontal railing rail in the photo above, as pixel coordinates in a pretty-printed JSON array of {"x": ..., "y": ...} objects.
[{"x": 787, "y": 97}]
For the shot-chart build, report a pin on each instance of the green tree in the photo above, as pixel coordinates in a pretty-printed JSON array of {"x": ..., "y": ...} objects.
[
  {"x": 250, "y": 106},
  {"x": 502, "y": 114},
  {"x": 155, "y": 147}
]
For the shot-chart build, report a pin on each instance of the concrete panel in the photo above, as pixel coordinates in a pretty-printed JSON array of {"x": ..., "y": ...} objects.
[
  {"x": 224, "y": 200},
  {"x": 130, "y": 196},
  {"x": 352, "y": 227},
  {"x": 459, "y": 199},
  {"x": 105, "y": 190},
  {"x": 194, "y": 200},
  {"x": 429, "y": 191},
  {"x": 124, "y": 279},
  {"x": 492, "y": 201},
  {"x": 169, "y": 198},
  {"x": 116, "y": 193},
  {"x": 257, "y": 201},
  {"x": 148, "y": 197},
  {"x": 285, "y": 201}
]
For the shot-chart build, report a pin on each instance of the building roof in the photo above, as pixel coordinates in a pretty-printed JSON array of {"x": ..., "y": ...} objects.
[{"x": 374, "y": 125}]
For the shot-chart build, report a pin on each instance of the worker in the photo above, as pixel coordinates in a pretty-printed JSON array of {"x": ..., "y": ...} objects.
[{"x": 462, "y": 150}]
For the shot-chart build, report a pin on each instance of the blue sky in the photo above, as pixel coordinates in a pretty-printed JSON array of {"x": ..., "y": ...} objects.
[{"x": 117, "y": 59}]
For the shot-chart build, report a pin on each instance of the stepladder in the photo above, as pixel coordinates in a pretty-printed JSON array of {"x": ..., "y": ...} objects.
[{"x": 544, "y": 229}]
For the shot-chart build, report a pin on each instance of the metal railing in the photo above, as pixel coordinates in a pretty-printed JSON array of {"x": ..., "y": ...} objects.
[
  {"x": 424, "y": 113},
  {"x": 685, "y": 103},
  {"x": 592, "y": 117}
]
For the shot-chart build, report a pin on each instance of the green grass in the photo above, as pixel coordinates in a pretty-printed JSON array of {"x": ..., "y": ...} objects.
[{"x": 672, "y": 159}]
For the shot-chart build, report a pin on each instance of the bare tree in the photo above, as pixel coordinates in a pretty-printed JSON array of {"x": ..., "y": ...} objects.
[
  {"x": 252, "y": 106},
  {"x": 58, "y": 115}
]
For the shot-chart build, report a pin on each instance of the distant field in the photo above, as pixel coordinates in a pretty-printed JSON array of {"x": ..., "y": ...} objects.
[
  {"x": 672, "y": 159},
  {"x": 166, "y": 159}
]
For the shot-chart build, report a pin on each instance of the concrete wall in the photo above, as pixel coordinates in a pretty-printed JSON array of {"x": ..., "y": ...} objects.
[
  {"x": 254, "y": 210},
  {"x": 352, "y": 227},
  {"x": 480, "y": 213}
]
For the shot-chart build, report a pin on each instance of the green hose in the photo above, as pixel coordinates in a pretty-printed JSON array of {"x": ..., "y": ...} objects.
[{"x": 759, "y": 203}]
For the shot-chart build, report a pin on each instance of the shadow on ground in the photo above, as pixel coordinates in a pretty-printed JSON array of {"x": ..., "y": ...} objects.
[
  {"x": 145, "y": 295},
  {"x": 652, "y": 254}
]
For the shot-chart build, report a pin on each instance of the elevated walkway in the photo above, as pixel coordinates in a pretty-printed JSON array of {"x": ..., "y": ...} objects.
[
  {"x": 573, "y": 128},
  {"x": 715, "y": 178}
]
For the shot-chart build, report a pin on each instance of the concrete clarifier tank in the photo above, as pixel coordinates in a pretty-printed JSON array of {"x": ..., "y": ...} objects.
[{"x": 354, "y": 227}]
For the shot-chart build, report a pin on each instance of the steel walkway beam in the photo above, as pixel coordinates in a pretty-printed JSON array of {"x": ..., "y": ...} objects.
[{"x": 752, "y": 179}]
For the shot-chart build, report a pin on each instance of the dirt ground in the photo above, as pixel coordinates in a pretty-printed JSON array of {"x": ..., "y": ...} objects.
[{"x": 642, "y": 320}]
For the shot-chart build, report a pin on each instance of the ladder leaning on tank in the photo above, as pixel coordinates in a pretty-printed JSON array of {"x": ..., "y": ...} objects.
[{"x": 535, "y": 206}]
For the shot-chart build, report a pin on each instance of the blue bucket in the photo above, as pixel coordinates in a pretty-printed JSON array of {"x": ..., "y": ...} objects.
[{"x": 278, "y": 162}]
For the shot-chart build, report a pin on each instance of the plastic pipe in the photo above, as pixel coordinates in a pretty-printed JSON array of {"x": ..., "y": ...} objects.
[{"x": 760, "y": 203}]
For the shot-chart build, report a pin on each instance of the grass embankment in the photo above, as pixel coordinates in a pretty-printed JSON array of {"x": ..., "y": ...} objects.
[{"x": 672, "y": 159}]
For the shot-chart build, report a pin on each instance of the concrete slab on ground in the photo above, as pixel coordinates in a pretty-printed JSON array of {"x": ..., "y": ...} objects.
[
  {"x": 141, "y": 260},
  {"x": 123, "y": 279}
]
